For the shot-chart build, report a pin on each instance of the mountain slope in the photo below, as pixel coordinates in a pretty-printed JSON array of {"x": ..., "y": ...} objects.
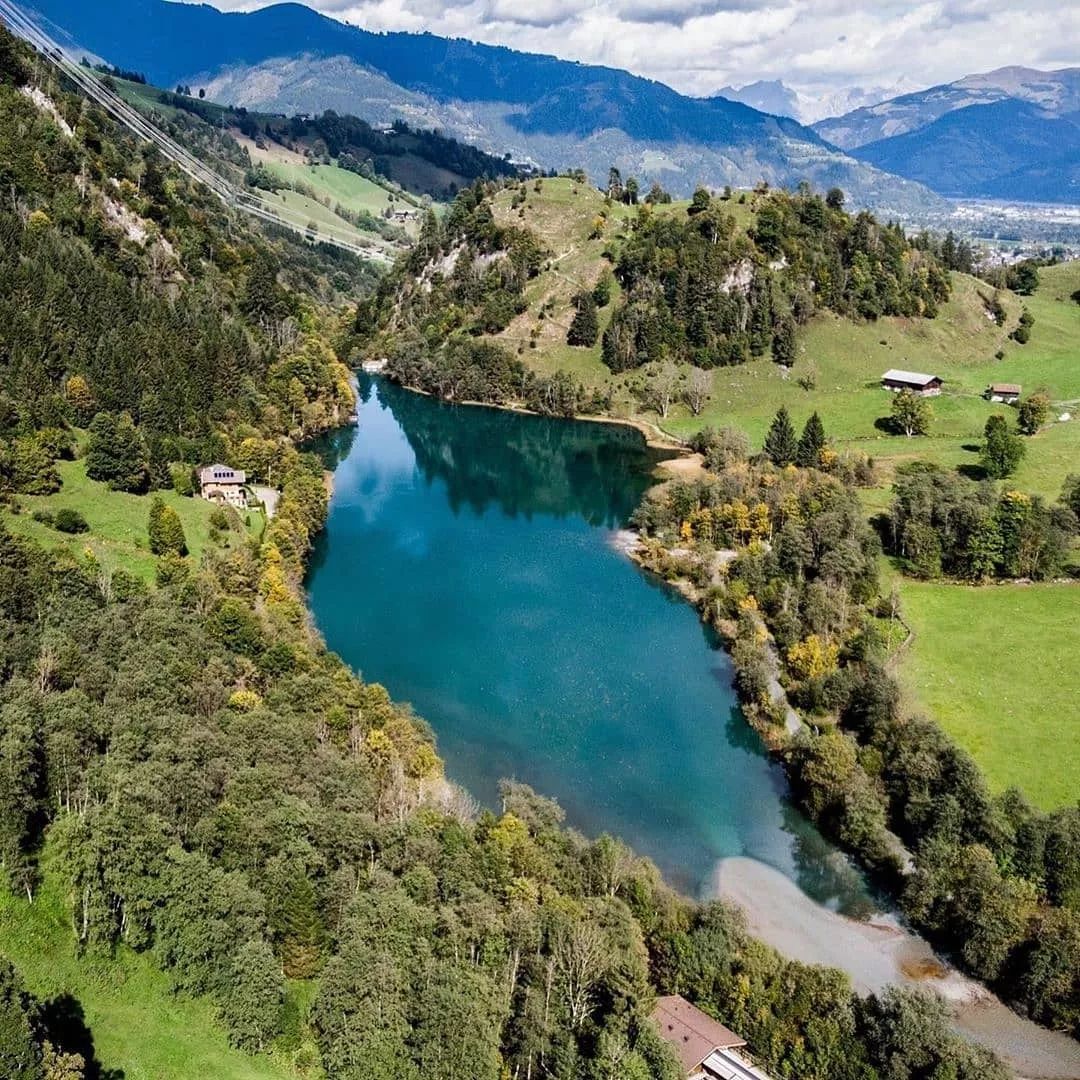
[
  {"x": 1056, "y": 92},
  {"x": 980, "y": 148},
  {"x": 559, "y": 113}
]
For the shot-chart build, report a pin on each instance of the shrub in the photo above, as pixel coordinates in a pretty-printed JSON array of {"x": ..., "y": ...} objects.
[{"x": 70, "y": 521}]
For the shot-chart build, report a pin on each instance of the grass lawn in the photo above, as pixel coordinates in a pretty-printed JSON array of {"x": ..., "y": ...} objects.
[
  {"x": 353, "y": 191},
  {"x": 996, "y": 667},
  {"x": 138, "y": 1025},
  {"x": 117, "y": 521}
]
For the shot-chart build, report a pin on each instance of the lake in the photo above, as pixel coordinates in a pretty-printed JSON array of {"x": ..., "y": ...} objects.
[{"x": 468, "y": 565}]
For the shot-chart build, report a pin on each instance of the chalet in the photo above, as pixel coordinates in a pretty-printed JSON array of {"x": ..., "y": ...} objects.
[
  {"x": 915, "y": 381},
  {"x": 403, "y": 216},
  {"x": 219, "y": 483},
  {"x": 1008, "y": 392},
  {"x": 705, "y": 1048}
]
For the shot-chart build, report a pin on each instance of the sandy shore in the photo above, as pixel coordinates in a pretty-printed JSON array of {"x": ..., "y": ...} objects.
[{"x": 881, "y": 953}]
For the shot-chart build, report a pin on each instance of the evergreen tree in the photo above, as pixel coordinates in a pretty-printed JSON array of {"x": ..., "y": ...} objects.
[
  {"x": 298, "y": 927},
  {"x": 783, "y": 345},
  {"x": 811, "y": 444},
  {"x": 252, "y": 1001},
  {"x": 585, "y": 329},
  {"x": 781, "y": 443},
  {"x": 166, "y": 530}
]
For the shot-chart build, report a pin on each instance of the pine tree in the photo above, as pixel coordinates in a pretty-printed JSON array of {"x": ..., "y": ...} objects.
[
  {"x": 811, "y": 444},
  {"x": 301, "y": 930},
  {"x": 783, "y": 344},
  {"x": 585, "y": 328},
  {"x": 781, "y": 444},
  {"x": 166, "y": 530}
]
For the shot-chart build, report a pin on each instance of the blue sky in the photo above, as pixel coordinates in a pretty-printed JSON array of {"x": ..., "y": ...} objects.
[{"x": 818, "y": 46}]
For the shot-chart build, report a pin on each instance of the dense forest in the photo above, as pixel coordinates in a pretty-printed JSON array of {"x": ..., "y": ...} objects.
[
  {"x": 992, "y": 881},
  {"x": 206, "y": 784},
  {"x": 698, "y": 289}
]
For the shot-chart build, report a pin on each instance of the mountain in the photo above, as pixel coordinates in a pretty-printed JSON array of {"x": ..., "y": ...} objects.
[
  {"x": 551, "y": 111},
  {"x": 805, "y": 105},
  {"x": 767, "y": 95},
  {"x": 987, "y": 150},
  {"x": 1056, "y": 92}
]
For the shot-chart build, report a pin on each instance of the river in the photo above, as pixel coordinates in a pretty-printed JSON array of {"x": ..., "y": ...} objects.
[{"x": 470, "y": 565}]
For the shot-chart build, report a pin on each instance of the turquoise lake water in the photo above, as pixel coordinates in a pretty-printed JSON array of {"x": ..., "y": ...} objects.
[{"x": 468, "y": 566}]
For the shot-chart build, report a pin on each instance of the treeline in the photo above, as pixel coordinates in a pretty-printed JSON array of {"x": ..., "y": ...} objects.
[
  {"x": 700, "y": 289},
  {"x": 992, "y": 881},
  {"x": 944, "y": 524}
]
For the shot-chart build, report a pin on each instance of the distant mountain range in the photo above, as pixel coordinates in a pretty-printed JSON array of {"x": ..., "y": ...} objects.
[
  {"x": 556, "y": 113},
  {"x": 775, "y": 96},
  {"x": 1009, "y": 134}
]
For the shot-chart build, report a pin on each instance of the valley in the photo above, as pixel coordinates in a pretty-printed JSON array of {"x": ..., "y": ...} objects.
[{"x": 419, "y": 774}]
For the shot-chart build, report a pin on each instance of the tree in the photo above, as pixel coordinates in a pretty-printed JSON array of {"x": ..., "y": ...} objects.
[
  {"x": 1033, "y": 413},
  {"x": 81, "y": 398},
  {"x": 834, "y": 200},
  {"x": 660, "y": 388},
  {"x": 701, "y": 201},
  {"x": 614, "y": 184},
  {"x": 251, "y": 1004},
  {"x": 20, "y": 1055},
  {"x": 603, "y": 289},
  {"x": 165, "y": 529},
  {"x": 781, "y": 443},
  {"x": 811, "y": 443},
  {"x": 1002, "y": 450},
  {"x": 1025, "y": 278},
  {"x": 783, "y": 343},
  {"x": 585, "y": 328},
  {"x": 911, "y": 413},
  {"x": 630, "y": 195},
  {"x": 117, "y": 454},
  {"x": 696, "y": 392}
]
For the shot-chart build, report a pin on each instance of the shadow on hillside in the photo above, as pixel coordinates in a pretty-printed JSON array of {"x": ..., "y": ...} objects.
[
  {"x": 972, "y": 471},
  {"x": 64, "y": 1023}
]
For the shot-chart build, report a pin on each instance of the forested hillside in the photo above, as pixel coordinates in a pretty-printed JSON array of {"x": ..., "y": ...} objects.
[
  {"x": 202, "y": 783},
  {"x": 711, "y": 283}
]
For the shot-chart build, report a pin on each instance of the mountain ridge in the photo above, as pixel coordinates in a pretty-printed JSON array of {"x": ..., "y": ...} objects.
[{"x": 554, "y": 111}]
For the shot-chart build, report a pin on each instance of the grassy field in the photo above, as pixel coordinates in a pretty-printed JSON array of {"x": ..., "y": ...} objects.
[
  {"x": 117, "y": 521},
  {"x": 996, "y": 667},
  {"x": 140, "y": 1028}
]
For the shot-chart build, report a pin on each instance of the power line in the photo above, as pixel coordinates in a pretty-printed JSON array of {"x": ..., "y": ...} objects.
[{"x": 92, "y": 85}]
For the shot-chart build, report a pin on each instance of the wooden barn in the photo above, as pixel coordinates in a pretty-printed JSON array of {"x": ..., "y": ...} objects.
[
  {"x": 1007, "y": 392},
  {"x": 915, "y": 381}
]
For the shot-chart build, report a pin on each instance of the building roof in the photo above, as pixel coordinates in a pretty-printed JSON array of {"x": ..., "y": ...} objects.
[
  {"x": 1005, "y": 388},
  {"x": 222, "y": 474},
  {"x": 691, "y": 1033},
  {"x": 916, "y": 378}
]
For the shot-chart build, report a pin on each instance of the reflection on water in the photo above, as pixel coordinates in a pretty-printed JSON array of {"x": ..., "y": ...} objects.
[{"x": 466, "y": 566}]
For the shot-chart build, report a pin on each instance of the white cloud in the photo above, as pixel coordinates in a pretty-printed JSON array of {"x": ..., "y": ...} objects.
[{"x": 696, "y": 46}]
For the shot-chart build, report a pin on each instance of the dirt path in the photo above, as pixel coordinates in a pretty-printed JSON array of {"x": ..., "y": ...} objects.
[{"x": 881, "y": 953}]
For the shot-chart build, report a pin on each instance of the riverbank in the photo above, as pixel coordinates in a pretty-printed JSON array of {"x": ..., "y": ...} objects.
[{"x": 879, "y": 953}]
